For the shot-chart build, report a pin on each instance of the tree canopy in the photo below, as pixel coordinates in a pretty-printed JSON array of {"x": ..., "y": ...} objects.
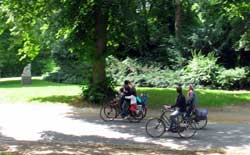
[{"x": 163, "y": 31}]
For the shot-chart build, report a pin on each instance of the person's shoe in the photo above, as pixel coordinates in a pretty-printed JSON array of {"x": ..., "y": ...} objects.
[
  {"x": 126, "y": 117},
  {"x": 123, "y": 115}
]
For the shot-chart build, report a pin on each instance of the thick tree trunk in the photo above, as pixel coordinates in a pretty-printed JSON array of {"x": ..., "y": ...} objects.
[
  {"x": 99, "y": 75},
  {"x": 177, "y": 19}
]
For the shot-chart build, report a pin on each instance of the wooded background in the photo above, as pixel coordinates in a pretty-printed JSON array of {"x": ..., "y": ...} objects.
[{"x": 154, "y": 43}]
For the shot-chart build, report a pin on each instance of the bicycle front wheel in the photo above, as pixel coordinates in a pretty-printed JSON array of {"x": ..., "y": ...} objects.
[
  {"x": 135, "y": 117},
  {"x": 187, "y": 128},
  {"x": 155, "y": 127},
  {"x": 108, "y": 113}
]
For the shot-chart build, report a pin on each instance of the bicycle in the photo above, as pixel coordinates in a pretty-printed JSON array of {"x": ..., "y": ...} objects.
[
  {"x": 200, "y": 117},
  {"x": 185, "y": 127},
  {"x": 112, "y": 110}
]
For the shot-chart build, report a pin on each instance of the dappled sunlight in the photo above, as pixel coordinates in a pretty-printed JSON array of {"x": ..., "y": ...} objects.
[
  {"x": 64, "y": 124},
  {"x": 28, "y": 122},
  {"x": 51, "y": 123}
]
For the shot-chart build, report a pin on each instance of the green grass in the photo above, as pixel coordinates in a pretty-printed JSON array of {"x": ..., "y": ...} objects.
[
  {"x": 11, "y": 91},
  {"x": 207, "y": 98},
  {"x": 40, "y": 91},
  {"x": 8, "y": 153}
]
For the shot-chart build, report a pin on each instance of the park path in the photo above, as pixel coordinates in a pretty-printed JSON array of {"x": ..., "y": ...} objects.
[{"x": 58, "y": 125}]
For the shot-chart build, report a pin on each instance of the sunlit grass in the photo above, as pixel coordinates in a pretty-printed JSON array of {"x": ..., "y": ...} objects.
[
  {"x": 8, "y": 153},
  {"x": 39, "y": 91},
  {"x": 11, "y": 91},
  {"x": 207, "y": 98}
]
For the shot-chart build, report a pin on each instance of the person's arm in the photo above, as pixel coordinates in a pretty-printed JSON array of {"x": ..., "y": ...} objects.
[
  {"x": 129, "y": 97},
  {"x": 176, "y": 103}
]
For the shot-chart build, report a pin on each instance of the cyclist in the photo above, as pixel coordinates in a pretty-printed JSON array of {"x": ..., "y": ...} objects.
[
  {"x": 192, "y": 100},
  {"x": 128, "y": 92},
  {"x": 180, "y": 106}
]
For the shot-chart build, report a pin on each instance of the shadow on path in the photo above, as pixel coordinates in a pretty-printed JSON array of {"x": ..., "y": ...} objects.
[{"x": 215, "y": 136}]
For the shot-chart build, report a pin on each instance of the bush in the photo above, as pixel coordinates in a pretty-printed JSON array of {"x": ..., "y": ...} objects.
[
  {"x": 233, "y": 78},
  {"x": 70, "y": 68},
  {"x": 146, "y": 75},
  {"x": 201, "y": 70},
  {"x": 98, "y": 92}
]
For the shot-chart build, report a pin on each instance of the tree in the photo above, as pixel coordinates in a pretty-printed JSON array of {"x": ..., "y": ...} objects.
[
  {"x": 177, "y": 19},
  {"x": 44, "y": 25},
  {"x": 99, "y": 75}
]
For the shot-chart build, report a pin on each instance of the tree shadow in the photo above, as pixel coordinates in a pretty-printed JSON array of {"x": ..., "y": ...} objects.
[
  {"x": 215, "y": 136},
  {"x": 3, "y": 146},
  {"x": 58, "y": 99},
  {"x": 51, "y": 145}
]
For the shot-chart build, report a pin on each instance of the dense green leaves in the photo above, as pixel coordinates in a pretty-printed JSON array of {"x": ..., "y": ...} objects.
[{"x": 81, "y": 34}]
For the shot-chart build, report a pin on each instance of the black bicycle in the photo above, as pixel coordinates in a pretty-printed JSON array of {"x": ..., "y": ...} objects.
[
  {"x": 201, "y": 118},
  {"x": 112, "y": 110},
  {"x": 185, "y": 127}
]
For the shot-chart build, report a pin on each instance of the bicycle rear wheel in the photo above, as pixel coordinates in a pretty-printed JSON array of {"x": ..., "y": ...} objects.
[
  {"x": 187, "y": 128},
  {"x": 135, "y": 117},
  {"x": 201, "y": 124},
  {"x": 108, "y": 113},
  {"x": 155, "y": 127}
]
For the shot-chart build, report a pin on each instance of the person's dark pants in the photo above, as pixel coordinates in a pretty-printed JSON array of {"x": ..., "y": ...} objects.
[
  {"x": 124, "y": 105},
  {"x": 189, "y": 110},
  {"x": 121, "y": 103},
  {"x": 173, "y": 117}
]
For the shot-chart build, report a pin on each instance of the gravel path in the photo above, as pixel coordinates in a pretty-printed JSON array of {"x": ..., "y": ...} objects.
[{"x": 68, "y": 130}]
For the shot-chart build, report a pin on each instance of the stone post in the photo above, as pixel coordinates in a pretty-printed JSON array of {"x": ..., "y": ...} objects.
[{"x": 26, "y": 75}]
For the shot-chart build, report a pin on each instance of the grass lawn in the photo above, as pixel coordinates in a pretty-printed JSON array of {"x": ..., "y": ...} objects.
[
  {"x": 207, "y": 98},
  {"x": 11, "y": 91},
  {"x": 8, "y": 153}
]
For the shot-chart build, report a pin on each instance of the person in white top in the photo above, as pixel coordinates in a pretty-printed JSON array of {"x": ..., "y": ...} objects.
[{"x": 133, "y": 103}]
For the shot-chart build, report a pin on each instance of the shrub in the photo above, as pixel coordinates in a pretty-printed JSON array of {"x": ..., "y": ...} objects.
[
  {"x": 233, "y": 78},
  {"x": 70, "y": 68},
  {"x": 201, "y": 70},
  {"x": 98, "y": 92},
  {"x": 150, "y": 74}
]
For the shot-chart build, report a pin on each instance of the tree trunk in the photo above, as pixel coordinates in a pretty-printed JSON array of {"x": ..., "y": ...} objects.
[
  {"x": 177, "y": 19},
  {"x": 99, "y": 74}
]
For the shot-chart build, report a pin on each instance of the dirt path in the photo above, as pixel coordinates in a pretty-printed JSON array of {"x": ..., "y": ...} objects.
[{"x": 61, "y": 129}]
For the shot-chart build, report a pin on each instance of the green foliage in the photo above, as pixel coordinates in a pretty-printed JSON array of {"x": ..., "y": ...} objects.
[
  {"x": 237, "y": 78},
  {"x": 201, "y": 69},
  {"x": 140, "y": 29},
  {"x": 68, "y": 68},
  {"x": 142, "y": 72},
  {"x": 49, "y": 92},
  {"x": 98, "y": 92}
]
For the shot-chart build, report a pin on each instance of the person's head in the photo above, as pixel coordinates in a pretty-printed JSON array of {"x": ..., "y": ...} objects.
[
  {"x": 121, "y": 90},
  {"x": 190, "y": 87},
  {"x": 127, "y": 82},
  {"x": 179, "y": 89}
]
